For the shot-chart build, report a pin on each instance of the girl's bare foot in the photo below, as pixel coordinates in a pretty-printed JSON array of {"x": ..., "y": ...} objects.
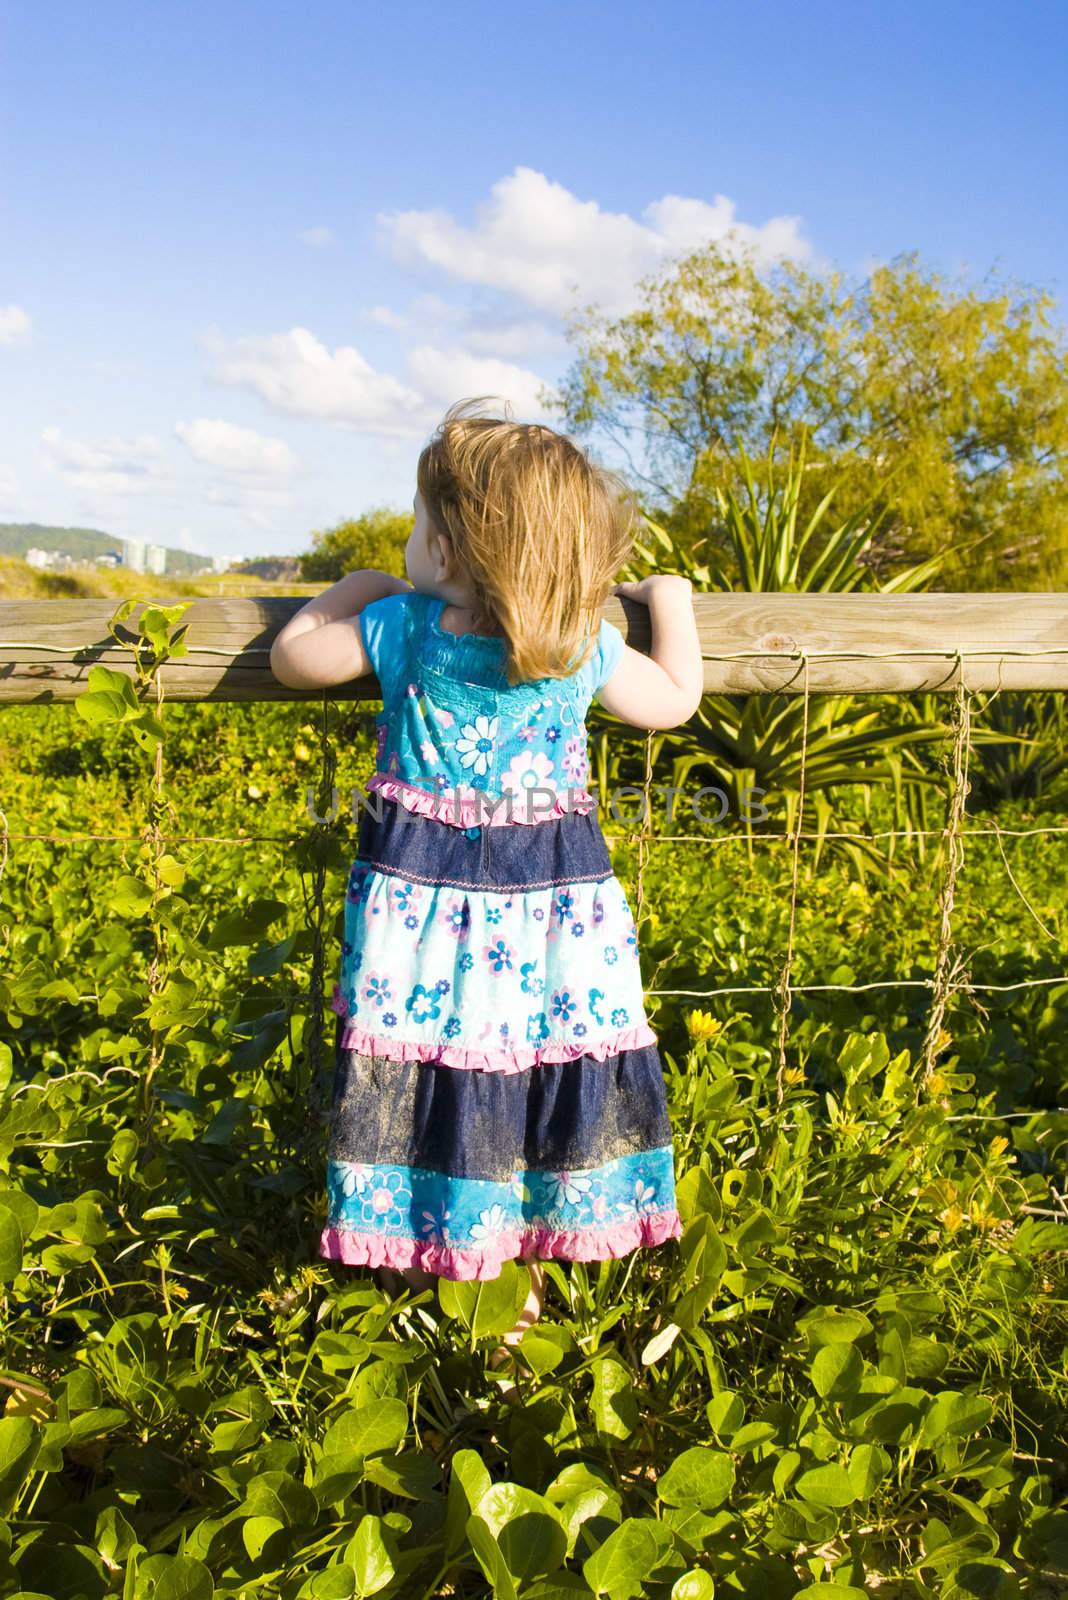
[
  {"x": 532, "y": 1309},
  {"x": 415, "y": 1277}
]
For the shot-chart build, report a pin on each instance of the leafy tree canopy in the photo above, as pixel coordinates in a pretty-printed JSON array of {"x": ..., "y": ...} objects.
[
  {"x": 375, "y": 539},
  {"x": 950, "y": 400}
]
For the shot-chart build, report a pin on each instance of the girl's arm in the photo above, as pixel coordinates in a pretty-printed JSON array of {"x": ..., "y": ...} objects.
[
  {"x": 321, "y": 644},
  {"x": 664, "y": 688}
]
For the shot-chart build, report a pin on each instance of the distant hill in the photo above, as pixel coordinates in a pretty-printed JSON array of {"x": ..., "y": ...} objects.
[{"x": 84, "y": 544}]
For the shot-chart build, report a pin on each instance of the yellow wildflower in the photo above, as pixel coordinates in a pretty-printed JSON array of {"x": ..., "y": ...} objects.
[
  {"x": 703, "y": 1025},
  {"x": 951, "y": 1218}
]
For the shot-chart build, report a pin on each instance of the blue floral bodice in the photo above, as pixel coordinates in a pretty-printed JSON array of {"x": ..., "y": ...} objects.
[{"x": 453, "y": 729}]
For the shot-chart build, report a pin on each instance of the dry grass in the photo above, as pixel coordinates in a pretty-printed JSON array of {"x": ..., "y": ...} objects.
[{"x": 19, "y": 581}]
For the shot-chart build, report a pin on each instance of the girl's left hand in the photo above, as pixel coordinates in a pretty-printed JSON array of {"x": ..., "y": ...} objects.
[{"x": 644, "y": 588}]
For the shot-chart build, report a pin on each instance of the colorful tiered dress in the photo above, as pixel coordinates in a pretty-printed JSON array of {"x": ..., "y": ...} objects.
[{"x": 498, "y": 1092}]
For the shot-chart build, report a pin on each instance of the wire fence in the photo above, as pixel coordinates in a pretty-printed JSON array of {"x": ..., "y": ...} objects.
[{"x": 950, "y": 976}]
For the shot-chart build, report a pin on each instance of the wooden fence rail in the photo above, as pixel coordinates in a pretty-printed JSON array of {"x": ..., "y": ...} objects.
[{"x": 752, "y": 643}]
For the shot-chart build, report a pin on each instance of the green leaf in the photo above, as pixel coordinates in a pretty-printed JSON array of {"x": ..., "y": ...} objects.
[
  {"x": 613, "y": 1406},
  {"x": 245, "y": 926},
  {"x": 725, "y": 1413},
  {"x": 695, "y": 1585},
  {"x": 829, "y": 1325},
  {"x": 131, "y": 896},
  {"x": 699, "y": 1476},
  {"x": 100, "y": 708},
  {"x": 148, "y": 730},
  {"x": 836, "y": 1370},
  {"x": 831, "y": 1591},
  {"x": 173, "y": 1578},
  {"x": 486, "y": 1306},
  {"x": 370, "y": 1559},
  {"x": 257, "y": 1531},
  {"x": 413, "y": 1474},
  {"x": 469, "y": 1480},
  {"x": 539, "y": 1354},
  {"x": 364, "y": 1431},
  {"x": 528, "y": 1532},
  {"x": 114, "y": 1537},
  {"x": 20, "y": 1442},
  {"x": 785, "y": 1467},
  {"x": 11, "y": 1241},
  {"x": 982, "y": 1578},
  {"x": 954, "y": 1416},
  {"x": 490, "y": 1558},
  {"x": 280, "y": 1496},
  {"x": 627, "y": 1557},
  {"x": 334, "y": 1583},
  {"x": 868, "y": 1466},
  {"x": 829, "y": 1485}
]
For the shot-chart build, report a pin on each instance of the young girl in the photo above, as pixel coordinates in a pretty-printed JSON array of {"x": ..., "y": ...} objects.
[{"x": 498, "y": 1092}]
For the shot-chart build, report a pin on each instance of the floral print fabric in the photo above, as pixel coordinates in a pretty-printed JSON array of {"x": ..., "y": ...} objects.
[
  {"x": 553, "y": 971},
  {"x": 465, "y": 1227},
  {"x": 453, "y": 728}
]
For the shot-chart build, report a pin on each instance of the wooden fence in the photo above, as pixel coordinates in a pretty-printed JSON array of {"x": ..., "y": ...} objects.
[{"x": 752, "y": 643}]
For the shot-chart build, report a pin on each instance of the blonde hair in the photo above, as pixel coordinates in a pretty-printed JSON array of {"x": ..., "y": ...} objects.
[{"x": 537, "y": 529}]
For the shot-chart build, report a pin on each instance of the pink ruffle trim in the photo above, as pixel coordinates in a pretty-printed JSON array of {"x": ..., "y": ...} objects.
[
  {"x": 519, "y": 1059},
  {"x": 470, "y": 813},
  {"x": 544, "y": 1244}
]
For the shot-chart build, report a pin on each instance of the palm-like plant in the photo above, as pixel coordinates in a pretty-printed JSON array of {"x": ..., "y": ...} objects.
[
  {"x": 741, "y": 742},
  {"x": 773, "y": 554},
  {"x": 1026, "y": 757}
]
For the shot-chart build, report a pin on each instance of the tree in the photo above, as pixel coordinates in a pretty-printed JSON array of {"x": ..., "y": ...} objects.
[
  {"x": 961, "y": 393},
  {"x": 374, "y": 539}
]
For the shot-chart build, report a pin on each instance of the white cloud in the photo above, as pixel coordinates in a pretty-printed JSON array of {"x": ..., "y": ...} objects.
[
  {"x": 536, "y": 240},
  {"x": 426, "y": 314},
  {"x": 228, "y": 448},
  {"x": 448, "y": 375},
  {"x": 295, "y": 373},
  {"x": 317, "y": 238},
  {"x": 485, "y": 331},
  {"x": 15, "y": 325},
  {"x": 521, "y": 336},
  {"x": 108, "y": 466},
  {"x": 532, "y": 241},
  {"x": 260, "y": 504},
  {"x": 385, "y": 317}
]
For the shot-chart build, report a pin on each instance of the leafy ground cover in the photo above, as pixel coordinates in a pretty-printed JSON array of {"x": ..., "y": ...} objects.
[{"x": 849, "y": 1376}]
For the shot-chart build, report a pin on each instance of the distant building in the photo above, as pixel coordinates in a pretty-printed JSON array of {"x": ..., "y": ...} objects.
[
  {"x": 110, "y": 558},
  {"x": 133, "y": 555},
  {"x": 221, "y": 563},
  {"x": 156, "y": 558},
  {"x": 49, "y": 560}
]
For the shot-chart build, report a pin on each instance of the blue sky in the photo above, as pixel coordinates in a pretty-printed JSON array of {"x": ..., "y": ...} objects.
[{"x": 249, "y": 252}]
